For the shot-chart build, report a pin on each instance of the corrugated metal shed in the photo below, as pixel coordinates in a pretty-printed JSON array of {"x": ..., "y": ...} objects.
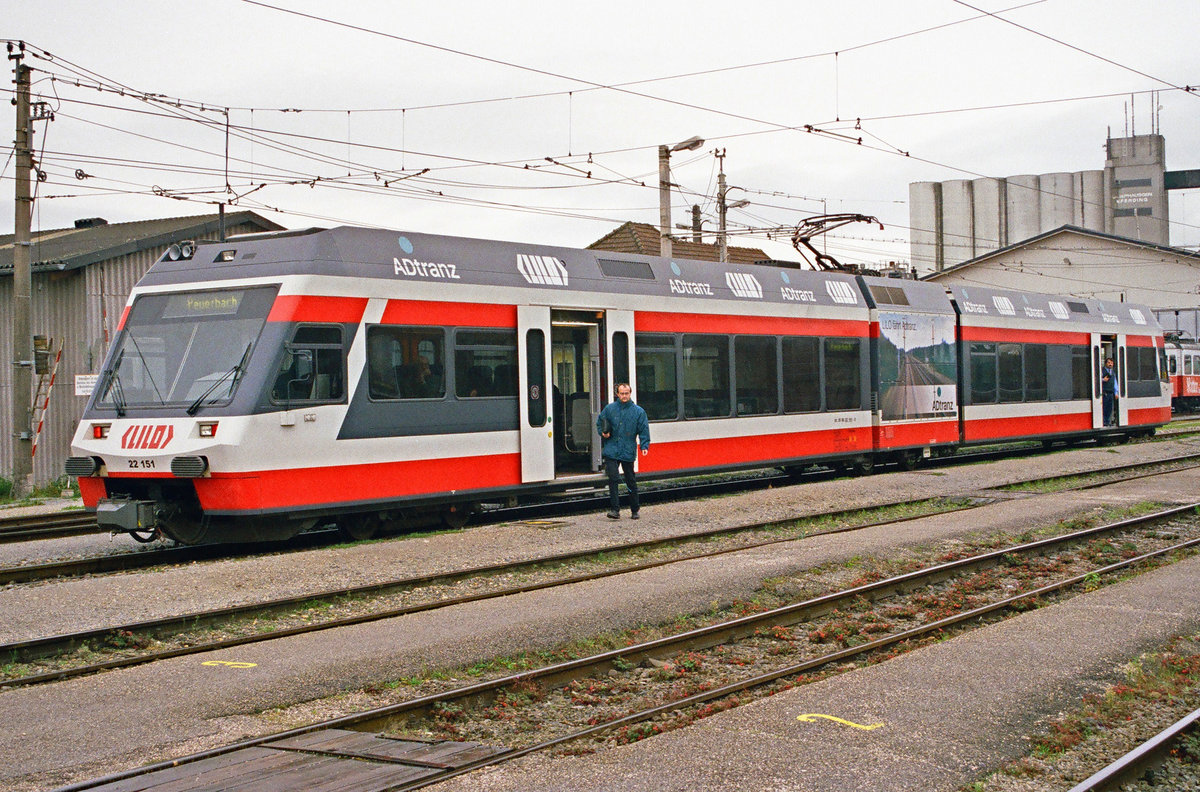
[{"x": 81, "y": 280}]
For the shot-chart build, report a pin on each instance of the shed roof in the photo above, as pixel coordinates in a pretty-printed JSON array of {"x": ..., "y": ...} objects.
[
  {"x": 1065, "y": 229},
  {"x": 72, "y": 248},
  {"x": 645, "y": 239}
]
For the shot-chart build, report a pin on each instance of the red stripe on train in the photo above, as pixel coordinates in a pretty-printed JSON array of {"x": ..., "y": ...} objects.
[
  {"x": 424, "y": 312},
  {"x": 659, "y": 322},
  {"x": 1139, "y": 341},
  {"x": 916, "y": 434},
  {"x": 311, "y": 308},
  {"x": 692, "y": 454},
  {"x": 273, "y": 489},
  {"x": 1150, "y": 415},
  {"x": 1030, "y": 426},
  {"x": 1014, "y": 335}
]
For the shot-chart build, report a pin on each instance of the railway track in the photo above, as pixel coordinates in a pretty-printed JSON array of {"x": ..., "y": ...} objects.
[
  {"x": 47, "y": 526},
  {"x": 46, "y": 659},
  {"x": 578, "y": 679},
  {"x": 579, "y": 504},
  {"x": 1135, "y": 764}
]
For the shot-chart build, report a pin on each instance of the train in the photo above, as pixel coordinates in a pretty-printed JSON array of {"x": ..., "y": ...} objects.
[
  {"x": 372, "y": 378},
  {"x": 1183, "y": 369}
]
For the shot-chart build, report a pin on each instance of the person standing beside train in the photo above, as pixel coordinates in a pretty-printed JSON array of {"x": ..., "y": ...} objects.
[
  {"x": 623, "y": 427},
  {"x": 1108, "y": 391}
]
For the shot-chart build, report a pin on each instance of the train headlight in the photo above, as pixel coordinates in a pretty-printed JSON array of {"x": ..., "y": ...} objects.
[
  {"x": 100, "y": 431},
  {"x": 208, "y": 429}
]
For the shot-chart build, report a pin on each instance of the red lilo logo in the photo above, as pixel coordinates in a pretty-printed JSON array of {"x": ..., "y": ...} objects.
[{"x": 147, "y": 436}]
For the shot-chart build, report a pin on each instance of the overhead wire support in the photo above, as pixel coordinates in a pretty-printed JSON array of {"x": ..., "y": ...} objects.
[{"x": 816, "y": 225}]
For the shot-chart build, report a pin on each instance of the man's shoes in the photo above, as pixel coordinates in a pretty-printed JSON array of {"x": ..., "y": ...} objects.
[
  {"x": 612, "y": 515},
  {"x": 633, "y": 515}
]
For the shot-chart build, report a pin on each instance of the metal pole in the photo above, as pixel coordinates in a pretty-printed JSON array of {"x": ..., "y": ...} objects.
[
  {"x": 664, "y": 201},
  {"x": 697, "y": 237},
  {"x": 22, "y": 334},
  {"x": 723, "y": 254}
]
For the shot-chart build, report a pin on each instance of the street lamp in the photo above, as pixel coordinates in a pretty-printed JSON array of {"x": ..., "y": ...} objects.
[{"x": 664, "y": 189}]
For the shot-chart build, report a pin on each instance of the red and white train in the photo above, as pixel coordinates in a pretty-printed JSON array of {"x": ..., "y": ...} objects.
[
  {"x": 1183, "y": 368},
  {"x": 264, "y": 383}
]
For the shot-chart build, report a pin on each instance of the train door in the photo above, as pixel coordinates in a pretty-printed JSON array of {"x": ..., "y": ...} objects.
[
  {"x": 536, "y": 416},
  {"x": 619, "y": 334},
  {"x": 578, "y": 389},
  {"x": 1105, "y": 346},
  {"x": 1121, "y": 417}
]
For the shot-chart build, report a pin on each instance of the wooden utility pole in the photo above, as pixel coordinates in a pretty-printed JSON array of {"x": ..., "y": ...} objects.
[{"x": 22, "y": 332}]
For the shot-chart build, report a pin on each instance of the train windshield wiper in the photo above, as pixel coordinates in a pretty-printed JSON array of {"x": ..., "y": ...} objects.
[
  {"x": 235, "y": 372},
  {"x": 112, "y": 384}
]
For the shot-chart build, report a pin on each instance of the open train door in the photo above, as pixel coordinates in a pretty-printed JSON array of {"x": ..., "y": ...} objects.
[
  {"x": 1122, "y": 418},
  {"x": 536, "y": 413},
  {"x": 618, "y": 331},
  {"x": 1097, "y": 396}
]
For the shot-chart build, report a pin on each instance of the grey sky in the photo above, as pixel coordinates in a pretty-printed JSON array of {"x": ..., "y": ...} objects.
[{"x": 913, "y": 93}]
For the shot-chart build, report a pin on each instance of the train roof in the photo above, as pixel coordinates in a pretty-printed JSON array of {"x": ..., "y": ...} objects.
[
  {"x": 984, "y": 306},
  {"x": 460, "y": 262}
]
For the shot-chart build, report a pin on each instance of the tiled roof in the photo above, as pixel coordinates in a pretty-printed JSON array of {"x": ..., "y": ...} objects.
[
  {"x": 70, "y": 248},
  {"x": 644, "y": 239}
]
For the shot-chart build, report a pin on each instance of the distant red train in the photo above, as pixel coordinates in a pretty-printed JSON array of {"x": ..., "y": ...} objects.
[
  {"x": 262, "y": 384},
  {"x": 1183, "y": 368}
]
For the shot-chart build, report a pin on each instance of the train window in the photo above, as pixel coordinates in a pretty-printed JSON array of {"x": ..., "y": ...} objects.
[
  {"x": 843, "y": 374},
  {"x": 1080, "y": 376},
  {"x": 616, "y": 268},
  {"x": 983, "y": 373},
  {"x": 312, "y": 366},
  {"x": 1010, "y": 372},
  {"x": 1035, "y": 372},
  {"x": 656, "y": 367},
  {"x": 1187, "y": 364},
  {"x": 756, "y": 377},
  {"x": 1163, "y": 361},
  {"x": 620, "y": 358},
  {"x": 485, "y": 363},
  {"x": 801, "y": 375},
  {"x": 535, "y": 360},
  {"x": 406, "y": 363},
  {"x": 705, "y": 376},
  {"x": 1147, "y": 364}
]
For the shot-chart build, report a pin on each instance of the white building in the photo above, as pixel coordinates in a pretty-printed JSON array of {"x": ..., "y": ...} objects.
[{"x": 1082, "y": 262}]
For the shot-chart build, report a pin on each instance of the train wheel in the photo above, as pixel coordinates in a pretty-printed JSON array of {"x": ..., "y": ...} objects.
[
  {"x": 358, "y": 527},
  {"x": 908, "y": 460},
  {"x": 455, "y": 515}
]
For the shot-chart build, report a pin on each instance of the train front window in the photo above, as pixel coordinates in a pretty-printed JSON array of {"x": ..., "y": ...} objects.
[{"x": 184, "y": 348}]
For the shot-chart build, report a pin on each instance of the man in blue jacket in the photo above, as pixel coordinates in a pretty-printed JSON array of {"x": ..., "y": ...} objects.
[{"x": 622, "y": 424}]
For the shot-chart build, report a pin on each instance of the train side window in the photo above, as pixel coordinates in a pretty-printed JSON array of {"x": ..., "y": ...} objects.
[
  {"x": 705, "y": 376},
  {"x": 312, "y": 368},
  {"x": 620, "y": 357},
  {"x": 406, "y": 362},
  {"x": 983, "y": 373},
  {"x": 1148, "y": 364},
  {"x": 485, "y": 363},
  {"x": 755, "y": 375},
  {"x": 843, "y": 374},
  {"x": 1080, "y": 375},
  {"x": 1010, "y": 372},
  {"x": 1035, "y": 372},
  {"x": 1187, "y": 364},
  {"x": 1165, "y": 360},
  {"x": 658, "y": 392},
  {"x": 801, "y": 375}
]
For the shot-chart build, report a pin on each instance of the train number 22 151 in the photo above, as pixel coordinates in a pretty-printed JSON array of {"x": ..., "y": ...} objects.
[{"x": 141, "y": 464}]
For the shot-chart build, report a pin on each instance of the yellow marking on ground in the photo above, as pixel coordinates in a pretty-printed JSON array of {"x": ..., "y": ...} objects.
[
  {"x": 809, "y": 717},
  {"x": 228, "y": 663}
]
